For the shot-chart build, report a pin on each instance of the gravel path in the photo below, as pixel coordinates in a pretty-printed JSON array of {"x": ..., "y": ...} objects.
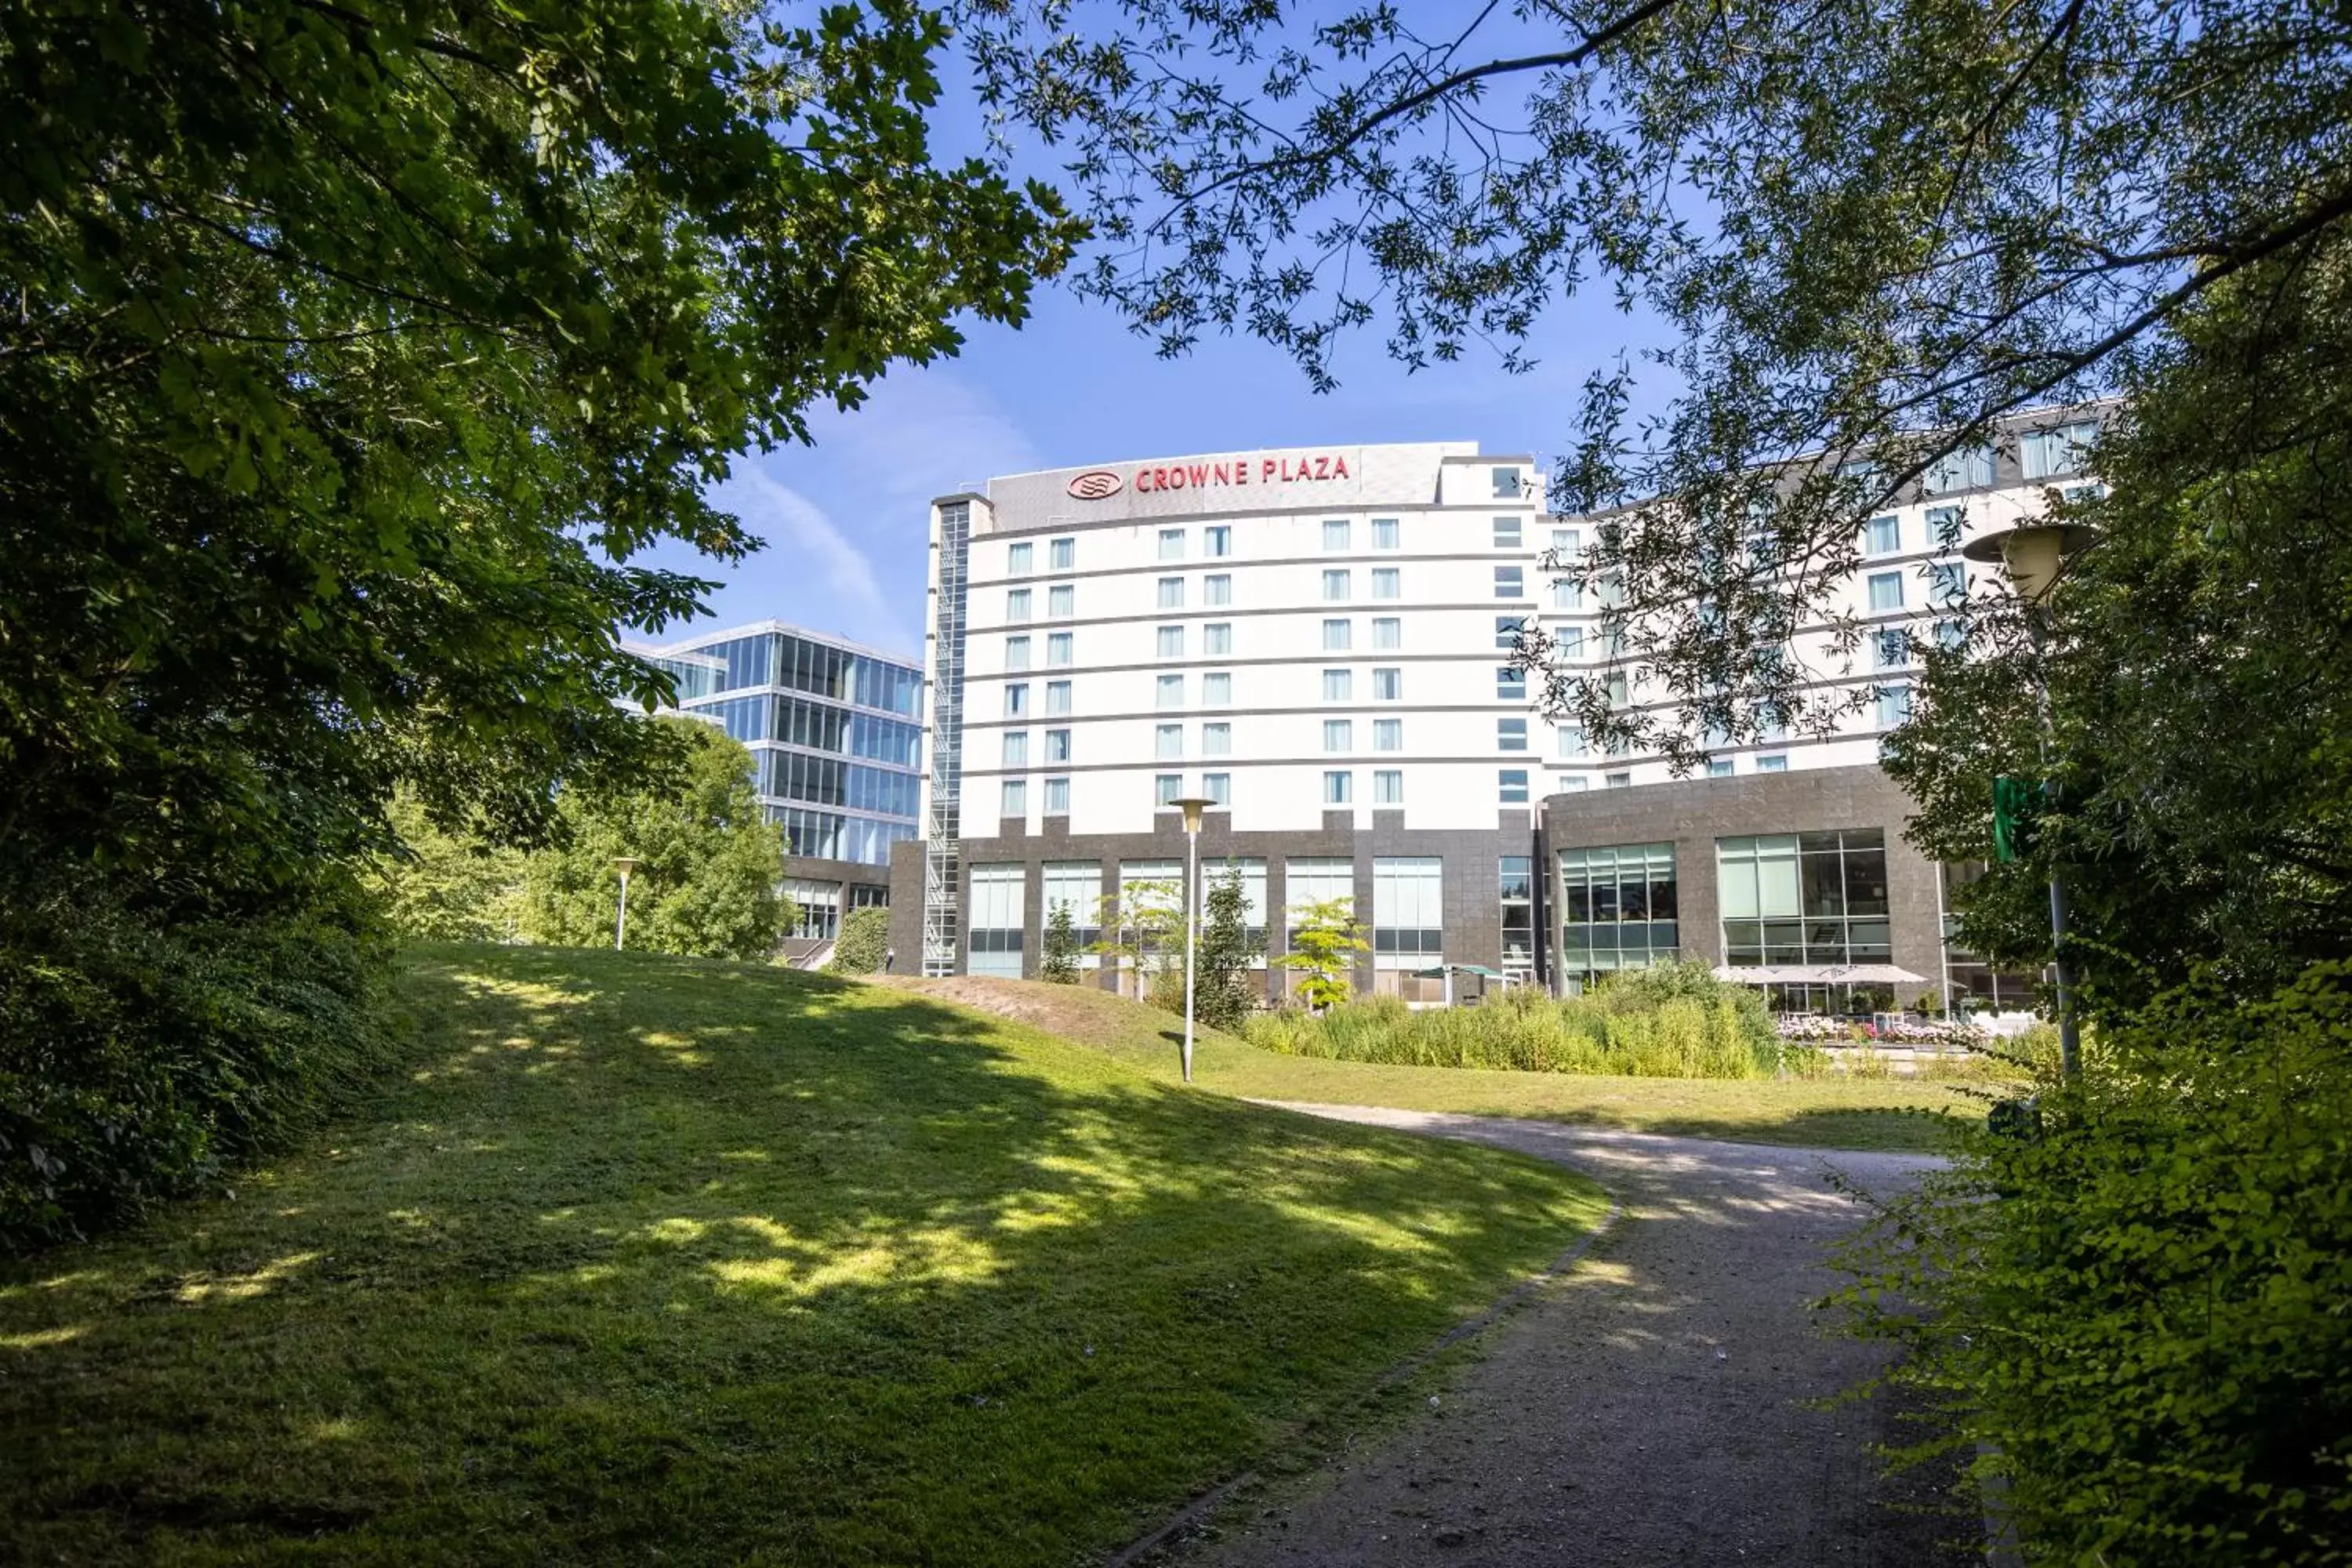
[{"x": 1648, "y": 1407}]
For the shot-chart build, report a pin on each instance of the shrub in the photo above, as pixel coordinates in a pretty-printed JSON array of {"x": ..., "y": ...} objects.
[
  {"x": 2140, "y": 1309},
  {"x": 141, "y": 1058},
  {"x": 864, "y": 944}
]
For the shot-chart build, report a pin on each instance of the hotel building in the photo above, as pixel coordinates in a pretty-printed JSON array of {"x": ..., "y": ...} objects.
[
  {"x": 835, "y": 735},
  {"x": 1318, "y": 641}
]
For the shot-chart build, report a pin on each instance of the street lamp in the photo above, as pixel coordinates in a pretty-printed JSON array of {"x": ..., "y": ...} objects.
[
  {"x": 627, "y": 863},
  {"x": 1192, "y": 806},
  {"x": 2032, "y": 557}
]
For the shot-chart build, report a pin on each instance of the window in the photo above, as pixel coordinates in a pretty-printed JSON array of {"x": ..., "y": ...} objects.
[
  {"x": 1020, "y": 560},
  {"x": 1337, "y": 636},
  {"x": 1016, "y": 748},
  {"x": 1388, "y": 685},
  {"x": 1076, "y": 886},
  {"x": 1408, "y": 911},
  {"x": 1167, "y": 789},
  {"x": 1511, "y": 684},
  {"x": 1567, "y": 593},
  {"x": 1339, "y": 735},
  {"x": 993, "y": 941},
  {"x": 1057, "y": 647},
  {"x": 2049, "y": 454},
  {"x": 1883, "y": 535},
  {"x": 1388, "y": 734},
  {"x": 1510, "y": 583},
  {"x": 2076, "y": 495},
  {"x": 1943, "y": 526},
  {"x": 1171, "y": 592},
  {"x": 1339, "y": 686},
  {"x": 1168, "y": 742},
  {"x": 1218, "y": 788},
  {"x": 1511, "y": 784},
  {"x": 1950, "y": 635},
  {"x": 1947, "y": 583},
  {"x": 1718, "y": 767},
  {"x": 1057, "y": 697},
  {"x": 1217, "y": 588},
  {"x": 1336, "y": 586},
  {"x": 1057, "y": 745},
  {"x": 1171, "y": 692},
  {"x": 1616, "y": 781},
  {"x": 1614, "y": 686},
  {"x": 1171, "y": 642},
  {"x": 1891, "y": 649},
  {"x": 1217, "y": 540},
  {"x": 1886, "y": 590},
  {"x": 1335, "y": 534},
  {"x": 1506, "y": 484},
  {"x": 1216, "y": 740},
  {"x": 1384, "y": 533},
  {"x": 1567, "y": 543},
  {"x": 1217, "y": 688},
  {"x": 1804, "y": 898},
  {"x": 1339, "y": 789},
  {"x": 1894, "y": 706},
  {"x": 1514, "y": 891},
  {"x": 1568, "y": 641},
  {"x": 1387, "y": 632},
  {"x": 1016, "y": 653},
  {"x": 1572, "y": 741},
  {"x": 1016, "y": 699},
  {"x": 1971, "y": 468},
  {"x": 1772, "y": 721},
  {"x": 1388, "y": 786},
  {"x": 1511, "y": 735},
  {"x": 1775, "y": 763},
  {"x": 1016, "y": 798},
  {"x": 1388, "y": 582},
  {"x": 1172, "y": 544},
  {"x": 1610, "y": 590},
  {"x": 1618, "y": 907},
  {"x": 1057, "y": 797},
  {"x": 1506, "y": 631},
  {"x": 1016, "y": 605},
  {"x": 1065, "y": 554},
  {"x": 1217, "y": 639},
  {"x": 1062, "y": 601},
  {"x": 1506, "y": 533}
]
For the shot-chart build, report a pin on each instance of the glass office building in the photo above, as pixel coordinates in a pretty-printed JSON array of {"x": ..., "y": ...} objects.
[{"x": 835, "y": 733}]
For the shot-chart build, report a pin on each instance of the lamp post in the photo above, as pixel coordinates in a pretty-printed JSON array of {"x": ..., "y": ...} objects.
[
  {"x": 627, "y": 863},
  {"x": 1192, "y": 806},
  {"x": 2031, "y": 556}
]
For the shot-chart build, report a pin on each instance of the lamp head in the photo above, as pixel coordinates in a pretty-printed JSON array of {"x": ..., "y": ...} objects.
[
  {"x": 627, "y": 863},
  {"x": 2031, "y": 555},
  {"x": 1193, "y": 806}
]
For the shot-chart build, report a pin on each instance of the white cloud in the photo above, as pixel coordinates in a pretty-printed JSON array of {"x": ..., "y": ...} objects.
[{"x": 816, "y": 564}]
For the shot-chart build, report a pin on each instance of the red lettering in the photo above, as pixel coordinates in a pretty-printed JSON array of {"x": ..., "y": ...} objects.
[
  {"x": 1142, "y": 480},
  {"x": 1175, "y": 478},
  {"x": 1158, "y": 478},
  {"x": 1340, "y": 466},
  {"x": 1268, "y": 474},
  {"x": 1241, "y": 470},
  {"x": 1199, "y": 475},
  {"x": 1322, "y": 468},
  {"x": 1217, "y": 472}
]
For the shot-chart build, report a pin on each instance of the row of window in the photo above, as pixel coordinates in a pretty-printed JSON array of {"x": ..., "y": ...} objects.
[
  {"x": 798, "y": 721},
  {"x": 1785, "y": 898},
  {"x": 780, "y": 658},
  {"x": 1021, "y": 558},
  {"x": 826, "y": 781},
  {"x": 829, "y": 835}
]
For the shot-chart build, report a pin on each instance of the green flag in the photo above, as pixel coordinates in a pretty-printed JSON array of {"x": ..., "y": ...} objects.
[{"x": 2012, "y": 801}]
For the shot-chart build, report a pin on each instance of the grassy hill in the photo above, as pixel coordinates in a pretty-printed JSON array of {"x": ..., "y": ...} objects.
[
  {"x": 710, "y": 1262},
  {"x": 1828, "y": 1114}
]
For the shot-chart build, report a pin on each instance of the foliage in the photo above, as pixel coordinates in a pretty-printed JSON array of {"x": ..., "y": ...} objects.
[
  {"x": 440, "y": 886},
  {"x": 1873, "y": 253},
  {"x": 1325, "y": 937},
  {"x": 1058, "y": 965},
  {"x": 640, "y": 1216},
  {"x": 139, "y": 1062},
  {"x": 1142, "y": 927},
  {"x": 707, "y": 882},
  {"x": 863, "y": 945},
  {"x": 1225, "y": 989},
  {"x": 2143, "y": 1306},
  {"x": 1685, "y": 1025}
]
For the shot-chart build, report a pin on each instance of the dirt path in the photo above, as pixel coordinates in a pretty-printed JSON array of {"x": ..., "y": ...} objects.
[{"x": 1649, "y": 1407}]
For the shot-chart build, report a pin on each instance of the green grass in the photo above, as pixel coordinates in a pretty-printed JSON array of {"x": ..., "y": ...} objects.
[
  {"x": 708, "y": 1262},
  {"x": 1890, "y": 1113}
]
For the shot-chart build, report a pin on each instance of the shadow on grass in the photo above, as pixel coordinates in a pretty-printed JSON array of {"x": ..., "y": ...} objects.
[{"x": 724, "y": 1261}]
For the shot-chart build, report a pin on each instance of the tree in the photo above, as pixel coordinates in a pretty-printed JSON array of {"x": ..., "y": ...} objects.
[
  {"x": 863, "y": 945},
  {"x": 1223, "y": 995},
  {"x": 1861, "y": 259},
  {"x": 1325, "y": 937},
  {"x": 438, "y": 886},
  {"x": 1059, "y": 963},
  {"x": 707, "y": 881},
  {"x": 1142, "y": 927}
]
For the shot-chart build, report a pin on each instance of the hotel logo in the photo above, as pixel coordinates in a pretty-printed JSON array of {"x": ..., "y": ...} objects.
[{"x": 1095, "y": 484}]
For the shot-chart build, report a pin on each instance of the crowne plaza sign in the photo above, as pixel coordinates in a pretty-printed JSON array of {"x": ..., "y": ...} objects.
[{"x": 1211, "y": 473}]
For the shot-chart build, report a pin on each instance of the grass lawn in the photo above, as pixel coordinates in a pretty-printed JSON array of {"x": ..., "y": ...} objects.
[
  {"x": 706, "y": 1262},
  {"x": 1830, "y": 1113}
]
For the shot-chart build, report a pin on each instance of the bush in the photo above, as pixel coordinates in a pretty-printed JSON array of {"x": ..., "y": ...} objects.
[
  {"x": 141, "y": 1058},
  {"x": 1667, "y": 1023},
  {"x": 2139, "y": 1311},
  {"x": 864, "y": 944}
]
